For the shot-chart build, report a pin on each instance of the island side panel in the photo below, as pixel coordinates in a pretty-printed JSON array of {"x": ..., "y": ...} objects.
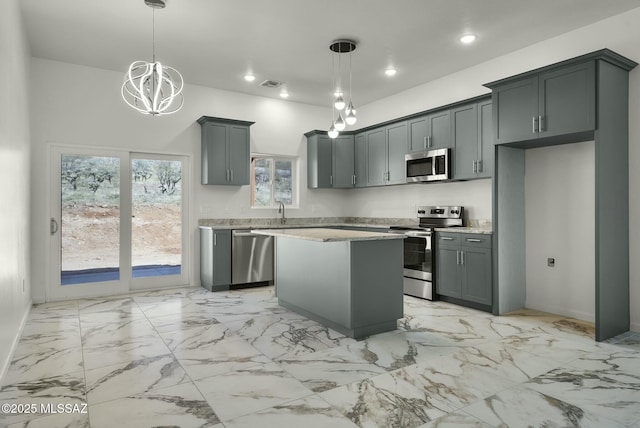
[
  {"x": 313, "y": 279},
  {"x": 376, "y": 285}
]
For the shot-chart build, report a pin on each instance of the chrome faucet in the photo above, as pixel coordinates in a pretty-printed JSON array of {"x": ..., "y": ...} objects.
[{"x": 281, "y": 211}]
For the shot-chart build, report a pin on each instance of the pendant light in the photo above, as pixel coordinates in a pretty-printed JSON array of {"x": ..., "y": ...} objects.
[
  {"x": 333, "y": 132},
  {"x": 351, "y": 111},
  {"x": 349, "y": 118},
  {"x": 151, "y": 87}
]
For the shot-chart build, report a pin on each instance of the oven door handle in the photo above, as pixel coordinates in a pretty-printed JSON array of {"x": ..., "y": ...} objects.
[{"x": 418, "y": 234}]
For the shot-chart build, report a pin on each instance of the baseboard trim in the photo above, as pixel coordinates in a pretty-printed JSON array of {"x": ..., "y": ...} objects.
[
  {"x": 558, "y": 310},
  {"x": 14, "y": 345}
]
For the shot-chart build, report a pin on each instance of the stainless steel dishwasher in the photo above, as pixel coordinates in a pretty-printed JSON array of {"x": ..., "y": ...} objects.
[{"x": 251, "y": 257}]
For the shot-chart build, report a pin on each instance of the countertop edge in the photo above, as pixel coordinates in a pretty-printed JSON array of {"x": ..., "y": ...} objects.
[{"x": 333, "y": 235}]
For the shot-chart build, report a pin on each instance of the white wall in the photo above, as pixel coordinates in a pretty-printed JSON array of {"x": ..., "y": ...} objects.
[
  {"x": 75, "y": 105},
  {"x": 15, "y": 178},
  {"x": 401, "y": 201},
  {"x": 619, "y": 33},
  {"x": 559, "y": 208}
]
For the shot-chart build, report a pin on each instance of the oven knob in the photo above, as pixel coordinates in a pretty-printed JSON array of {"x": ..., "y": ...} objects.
[
  {"x": 420, "y": 211},
  {"x": 455, "y": 212}
]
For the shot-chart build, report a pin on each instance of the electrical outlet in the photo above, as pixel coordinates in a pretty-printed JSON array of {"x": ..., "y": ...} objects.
[{"x": 551, "y": 262}]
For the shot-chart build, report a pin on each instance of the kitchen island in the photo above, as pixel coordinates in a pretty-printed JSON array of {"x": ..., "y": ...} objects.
[{"x": 350, "y": 281}]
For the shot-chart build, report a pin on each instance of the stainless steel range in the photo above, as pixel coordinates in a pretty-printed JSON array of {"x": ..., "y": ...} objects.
[{"x": 418, "y": 254}]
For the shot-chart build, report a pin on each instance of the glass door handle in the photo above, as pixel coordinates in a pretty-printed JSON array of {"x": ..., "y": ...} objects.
[{"x": 53, "y": 226}]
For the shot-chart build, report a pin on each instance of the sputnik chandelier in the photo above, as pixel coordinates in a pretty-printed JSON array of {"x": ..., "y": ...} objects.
[
  {"x": 150, "y": 87},
  {"x": 338, "y": 104}
]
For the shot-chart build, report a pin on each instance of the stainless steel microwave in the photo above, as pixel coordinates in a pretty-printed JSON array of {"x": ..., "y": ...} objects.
[{"x": 432, "y": 165}]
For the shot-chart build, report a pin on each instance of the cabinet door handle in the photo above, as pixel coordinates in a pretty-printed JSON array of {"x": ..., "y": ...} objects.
[
  {"x": 475, "y": 167},
  {"x": 540, "y": 123},
  {"x": 429, "y": 141},
  {"x": 331, "y": 180},
  {"x": 457, "y": 257},
  {"x": 473, "y": 240},
  {"x": 215, "y": 239},
  {"x": 231, "y": 174},
  {"x": 425, "y": 142},
  {"x": 533, "y": 124},
  {"x": 461, "y": 257},
  {"x": 478, "y": 166},
  {"x": 446, "y": 238},
  {"x": 354, "y": 179}
]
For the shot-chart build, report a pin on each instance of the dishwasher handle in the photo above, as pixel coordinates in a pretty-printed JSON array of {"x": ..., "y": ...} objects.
[{"x": 244, "y": 234}]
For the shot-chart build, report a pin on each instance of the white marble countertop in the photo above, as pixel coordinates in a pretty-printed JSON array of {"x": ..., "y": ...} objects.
[
  {"x": 327, "y": 234},
  {"x": 478, "y": 230}
]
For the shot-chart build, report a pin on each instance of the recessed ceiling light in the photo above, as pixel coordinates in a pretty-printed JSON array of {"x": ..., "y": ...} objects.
[
  {"x": 284, "y": 94},
  {"x": 390, "y": 72},
  {"x": 468, "y": 38},
  {"x": 249, "y": 77}
]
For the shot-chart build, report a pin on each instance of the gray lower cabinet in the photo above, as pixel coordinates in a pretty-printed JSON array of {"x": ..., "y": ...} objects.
[
  {"x": 430, "y": 132},
  {"x": 225, "y": 151},
  {"x": 553, "y": 103},
  {"x": 473, "y": 138},
  {"x": 330, "y": 162},
  {"x": 385, "y": 150},
  {"x": 215, "y": 258},
  {"x": 464, "y": 267}
]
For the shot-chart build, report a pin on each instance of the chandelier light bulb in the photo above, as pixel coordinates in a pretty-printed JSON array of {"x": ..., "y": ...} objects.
[
  {"x": 340, "y": 125},
  {"x": 351, "y": 114},
  {"x": 333, "y": 133},
  {"x": 339, "y": 104}
]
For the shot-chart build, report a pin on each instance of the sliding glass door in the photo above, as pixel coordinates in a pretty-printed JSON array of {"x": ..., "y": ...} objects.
[
  {"x": 158, "y": 232},
  {"x": 117, "y": 222}
]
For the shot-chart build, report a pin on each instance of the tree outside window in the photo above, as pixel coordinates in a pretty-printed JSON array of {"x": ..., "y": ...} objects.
[{"x": 273, "y": 179}]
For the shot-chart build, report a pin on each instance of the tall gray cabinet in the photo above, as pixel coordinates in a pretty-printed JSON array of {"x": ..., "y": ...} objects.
[
  {"x": 225, "y": 151},
  {"x": 581, "y": 99}
]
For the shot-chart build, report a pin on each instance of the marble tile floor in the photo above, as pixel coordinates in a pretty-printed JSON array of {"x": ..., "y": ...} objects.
[{"x": 190, "y": 358}]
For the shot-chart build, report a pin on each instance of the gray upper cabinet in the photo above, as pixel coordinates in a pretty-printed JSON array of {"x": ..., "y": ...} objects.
[
  {"x": 330, "y": 162},
  {"x": 396, "y": 149},
  {"x": 376, "y": 157},
  {"x": 552, "y": 103},
  {"x": 432, "y": 131},
  {"x": 484, "y": 166},
  {"x": 465, "y": 134},
  {"x": 360, "y": 163},
  {"x": 473, "y": 137},
  {"x": 225, "y": 151},
  {"x": 343, "y": 151},
  {"x": 386, "y": 147},
  {"x": 319, "y": 162}
]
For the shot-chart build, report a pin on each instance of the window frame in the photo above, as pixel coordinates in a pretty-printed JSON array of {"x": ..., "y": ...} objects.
[{"x": 294, "y": 180}]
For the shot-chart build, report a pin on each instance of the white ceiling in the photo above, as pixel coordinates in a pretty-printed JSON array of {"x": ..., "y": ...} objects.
[{"x": 215, "y": 42}]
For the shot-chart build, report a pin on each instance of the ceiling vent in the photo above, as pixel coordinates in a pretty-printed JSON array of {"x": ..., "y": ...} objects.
[{"x": 271, "y": 84}]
